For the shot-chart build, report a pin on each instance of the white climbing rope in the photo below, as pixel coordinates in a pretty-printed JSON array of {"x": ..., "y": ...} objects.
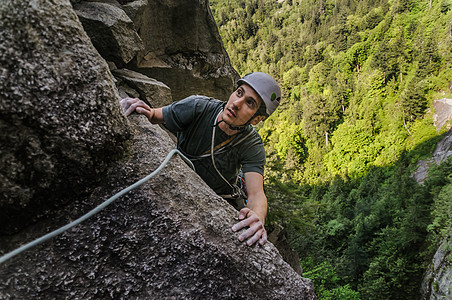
[{"x": 95, "y": 210}]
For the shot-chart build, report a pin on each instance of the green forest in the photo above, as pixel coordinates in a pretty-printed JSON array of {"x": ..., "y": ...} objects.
[{"x": 359, "y": 79}]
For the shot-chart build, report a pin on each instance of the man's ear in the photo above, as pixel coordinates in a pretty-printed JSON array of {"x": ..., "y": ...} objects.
[{"x": 257, "y": 119}]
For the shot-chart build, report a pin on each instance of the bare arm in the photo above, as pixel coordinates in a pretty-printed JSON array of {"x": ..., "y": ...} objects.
[
  {"x": 253, "y": 216},
  {"x": 256, "y": 197},
  {"x": 154, "y": 115}
]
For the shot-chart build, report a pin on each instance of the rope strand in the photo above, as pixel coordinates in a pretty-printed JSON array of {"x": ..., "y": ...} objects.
[{"x": 95, "y": 210}]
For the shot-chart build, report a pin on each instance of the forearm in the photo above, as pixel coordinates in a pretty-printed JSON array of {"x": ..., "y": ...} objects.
[
  {"x": 155, "y": 116},
  {"x": 258, "y": 204},
  {"x": 257, "y": 201}
]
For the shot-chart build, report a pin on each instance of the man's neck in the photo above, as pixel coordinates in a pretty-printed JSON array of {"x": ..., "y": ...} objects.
[{"x": 225, "y": 127}]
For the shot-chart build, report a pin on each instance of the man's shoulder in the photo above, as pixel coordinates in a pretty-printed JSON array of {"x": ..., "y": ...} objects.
[
  {"x": 252, "y": 142},
  {"x": 253, "y": 136},
  {"x": 181, "y": 114},
  {"x": 203, "y": 100},
  {"x": 205, "y": 107},
  {"x": 252, "y": 153}
]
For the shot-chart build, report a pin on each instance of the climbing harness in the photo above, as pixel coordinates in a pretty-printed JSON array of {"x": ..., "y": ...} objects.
[
  {"x": 220, "y": 148},
  {"x": 95, "y": 210},
  {"x": 238, "y": 195}
]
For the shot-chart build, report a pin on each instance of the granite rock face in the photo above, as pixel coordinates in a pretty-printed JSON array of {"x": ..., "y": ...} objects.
[
  {"x": 437, "y": 279},
  {"x": 443, "y": 115},
  {"x": 153, "y": 92},
  {"x": 66, "y": 147},
  {"x": 181, "y": 45},
  {"x": 437, "y": 283},
  {"x": 59, "y": 114},
  {"x": 443, "y": 108},
  {"x": 111, "y": 31},
  {"x": 170, "y": 238},
  {"x": 442, "y": 151}
]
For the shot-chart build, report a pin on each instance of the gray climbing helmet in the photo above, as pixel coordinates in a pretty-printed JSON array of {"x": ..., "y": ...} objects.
[{"x": 266, "y": 87}]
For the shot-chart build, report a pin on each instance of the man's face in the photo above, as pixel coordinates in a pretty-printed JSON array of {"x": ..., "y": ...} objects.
[{"x": 242, "y": 105}]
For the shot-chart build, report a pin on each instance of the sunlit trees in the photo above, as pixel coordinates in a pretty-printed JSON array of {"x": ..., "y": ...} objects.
[{"x": 358, "y": 80}]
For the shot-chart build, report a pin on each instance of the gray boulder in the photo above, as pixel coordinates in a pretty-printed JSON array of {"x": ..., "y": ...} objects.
[
  {"x": 178, "y": 40},
  {"x": 183, "y": 49},
  {"x": 111, "y": 31},
  {"x": 135, "y": 10},
  {"x": 59, "y": 113},
  {"x": 155, "y": 93}
]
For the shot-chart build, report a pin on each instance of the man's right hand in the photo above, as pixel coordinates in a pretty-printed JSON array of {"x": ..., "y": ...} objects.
[
  {"x": 256, "y": 230},
  {"x": 129, "y": 105}
]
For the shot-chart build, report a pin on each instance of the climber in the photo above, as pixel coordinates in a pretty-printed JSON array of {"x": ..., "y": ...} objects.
[{"x": 220, "y": 141}]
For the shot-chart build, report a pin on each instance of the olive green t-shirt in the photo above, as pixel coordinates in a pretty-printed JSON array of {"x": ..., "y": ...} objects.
[{"x": 192, "y": 119}]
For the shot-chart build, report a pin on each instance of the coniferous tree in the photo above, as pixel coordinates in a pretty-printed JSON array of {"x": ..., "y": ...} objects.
[{"x": 360, "y": 75}]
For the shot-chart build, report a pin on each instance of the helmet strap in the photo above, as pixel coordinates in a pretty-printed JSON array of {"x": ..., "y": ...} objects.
[{"x": 240, "y": 127}]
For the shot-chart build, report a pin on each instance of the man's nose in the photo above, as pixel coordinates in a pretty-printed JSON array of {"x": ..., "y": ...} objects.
[{"x": 238, "y": 103}]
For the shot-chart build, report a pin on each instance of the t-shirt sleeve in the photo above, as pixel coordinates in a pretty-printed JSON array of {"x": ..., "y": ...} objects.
[
  {"x": 179, "y": 115},
  {"x": 253, "y": 159}
]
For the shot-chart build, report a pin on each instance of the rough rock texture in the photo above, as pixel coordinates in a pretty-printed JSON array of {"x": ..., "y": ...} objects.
[
  {"x": 111, "y": 31},
  {"x": 59, "y": 118},
  {"x": 135, "y": 10},
  {"x": 169, "y": 238},
  {"x": 437, "y": 280},
  {"x": 437, "y": 283},
  {"x": 155, "y": 93},
  {"x": 442, "y": 151},
  {"x": 63, "y": 142},
  {"x": 443, "y": 108},
  {"x": 181, "y": 45},
  {"x": 183, "y": 49}
]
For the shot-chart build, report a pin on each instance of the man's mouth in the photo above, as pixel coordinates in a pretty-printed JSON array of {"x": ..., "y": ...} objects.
[{"x": 232, "y": 113}]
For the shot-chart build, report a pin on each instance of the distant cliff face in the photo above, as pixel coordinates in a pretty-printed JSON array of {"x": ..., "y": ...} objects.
[
  {"x": 438, "y": 277},
  {"x": 66, "y": 147},
  {"x": 443, "y": 150},
  {"x": 443, "y": 108}
]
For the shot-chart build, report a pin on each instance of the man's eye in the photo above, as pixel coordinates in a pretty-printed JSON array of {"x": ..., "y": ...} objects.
[{"x": 239, "y": 93}]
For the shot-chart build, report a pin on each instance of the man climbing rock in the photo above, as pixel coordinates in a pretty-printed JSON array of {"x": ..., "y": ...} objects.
[{"x": 220, "y": 140}]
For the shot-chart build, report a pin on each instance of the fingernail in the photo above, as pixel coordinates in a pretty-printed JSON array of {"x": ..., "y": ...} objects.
[{"x": 234, "y": 228}]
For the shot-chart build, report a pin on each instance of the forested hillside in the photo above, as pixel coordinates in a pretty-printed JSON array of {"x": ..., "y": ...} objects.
[{"x": 359, "y": 79}]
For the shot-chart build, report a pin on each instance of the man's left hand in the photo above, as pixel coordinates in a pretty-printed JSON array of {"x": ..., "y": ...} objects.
[{"x": 255, "y": 232}]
